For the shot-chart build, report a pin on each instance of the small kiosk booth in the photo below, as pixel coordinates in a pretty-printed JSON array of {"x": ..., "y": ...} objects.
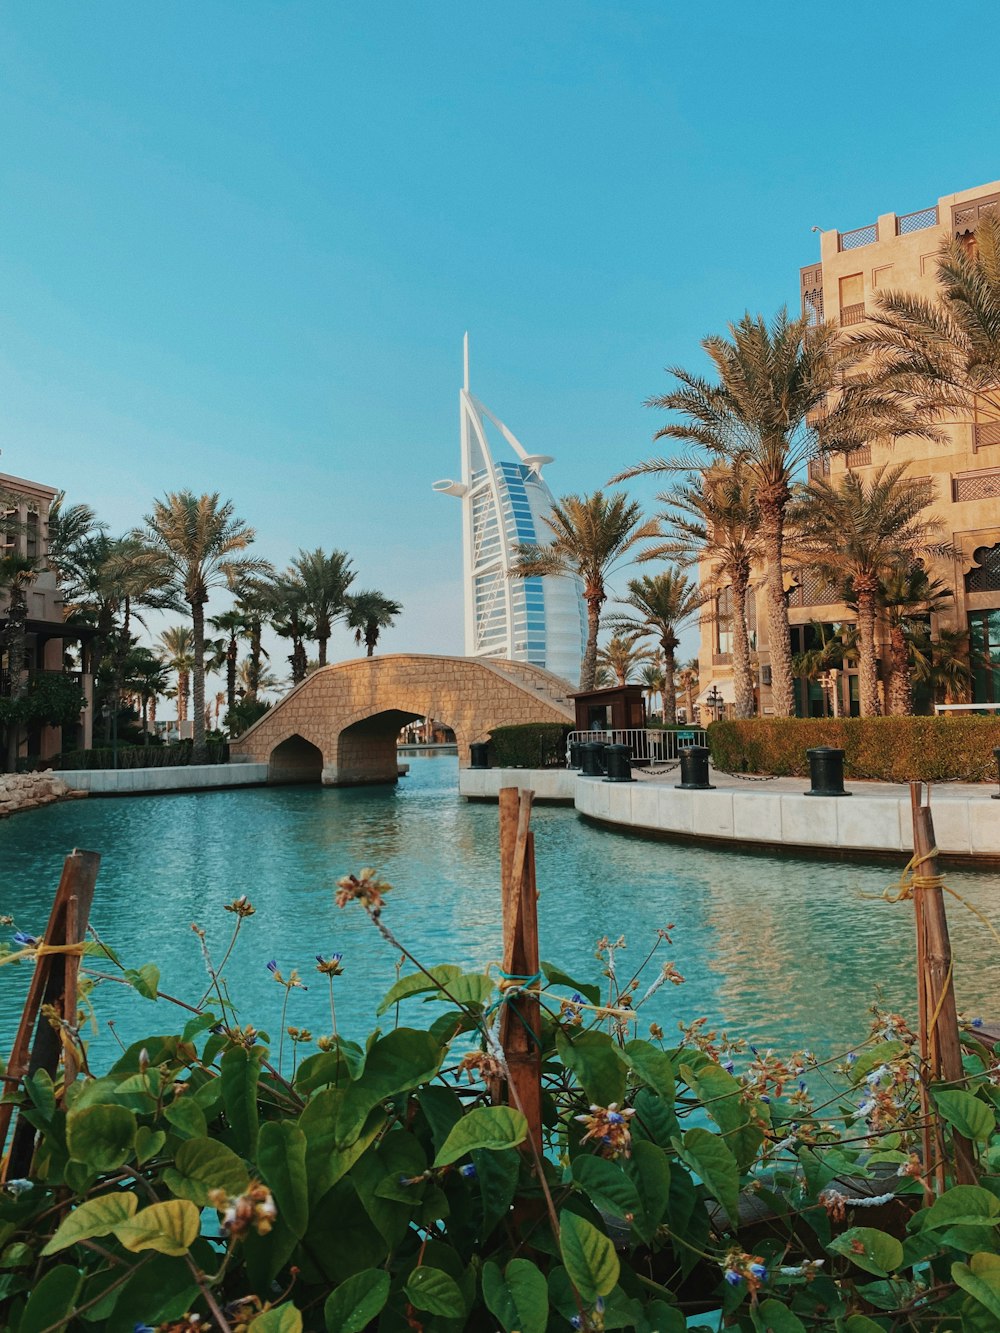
[{"x": 621, "y": 708}]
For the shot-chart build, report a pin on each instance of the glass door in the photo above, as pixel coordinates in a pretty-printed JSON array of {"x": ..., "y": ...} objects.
[{"x": 984, "y": 655}]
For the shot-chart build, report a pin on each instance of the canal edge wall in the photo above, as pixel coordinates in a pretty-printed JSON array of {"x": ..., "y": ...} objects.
[
  {"x": 151, "y": 781},
  {"x": 869, "y": 823}
]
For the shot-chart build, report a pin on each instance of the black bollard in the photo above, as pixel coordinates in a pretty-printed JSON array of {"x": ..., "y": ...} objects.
[
  {"x": 694, "y": 769},
  {"x": 996, "y": 756},
  {"x": 479, "y": 754},
  {"x": 826, "y": 771},
  {"x": 619, "y": 759},
  {"x": 575, "y": 754},
  {"x": 592, "y": 754}
]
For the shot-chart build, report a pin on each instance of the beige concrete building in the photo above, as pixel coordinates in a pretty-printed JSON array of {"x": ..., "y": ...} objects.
[
  {"x": 895, "y": 252},
  {"x": 26, "y": 505}
]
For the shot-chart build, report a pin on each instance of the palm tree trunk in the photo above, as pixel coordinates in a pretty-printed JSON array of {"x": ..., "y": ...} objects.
[
  {"x": 321, "y": 650},
  {"x": 17, "y": 641},
  {"x": 867, "y": 660},
  {"x": 772, "y": 531},
  {"x": 183, "y": 690},
  {"x": 371, "y": 638},
  {"x": 901, "y": 682},
  {"x": 669, "y": 684},
  {"x": 595, "y": 598},
  {"x": 231, "y": 655},
  {"x": 198, "y": 702},
  {"x": 253, "y": 675},
  {"x": 742, "y": 671}
]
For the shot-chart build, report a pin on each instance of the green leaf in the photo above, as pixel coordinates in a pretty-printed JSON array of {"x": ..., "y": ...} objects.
[
  {"x": 589, "y": 1257},
  {"x": 860, "y": 1323},
  {"x": 652, "y": 1066},
  {"x": 434, "y": 1291},
  {"x": 518, "y": 1296},
  {"x": 145, "y": 980},
  {"x": 597, "y": 1063},
  {"x": 471, "y": 988},
  {"x": 41, "y": 1090},
  {"x": 336, "y": 1136},
  {"x": 492, "y": 1127},
  {"x": 397, "y": 1062},
  {"x": 202, "y": 1165},
  {"x": 980, "y": 1277},
  {"x": 777, "y": 1318},
  {"x": 709, "y": 1158},
  {"x": 963, "y": 1205},
  {"x": 96, "y": 1217},
  {"x": 496, "y": 1173},
  {"x": 607, "y": 1186},
  {"x": 282, "y": 1319},
  {"x": 170, "y": 1228},
  {"x": 240, "y": 1074},
  {"x": 874, "y": 1057},
  {"x": 356, "y": 1302},
  {"x": 281, "y": 1155},
  {"x": 722, "y": 1097},
  {"x": 186, "y": 1117},
  {"x": 102, "y": 1137},
  {"x": 873, "y": 1250},
  {"x": 654, "y": 1118},
  {"x": 443, "y": 1109},
  {"x": 148, "y": 1143},
  {"x": 52, "y": 1300},
  {"x": 418, "y": 983},
  {"x": 555, "y": 976},
  {"x": 649, "y": 1170},
  {"x": 966, "y": 1113}
]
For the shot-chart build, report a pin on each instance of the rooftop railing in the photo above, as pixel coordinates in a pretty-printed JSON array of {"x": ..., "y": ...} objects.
[
  {"x": 919, "y": 221},
  {"x": 854, "y": 240}
]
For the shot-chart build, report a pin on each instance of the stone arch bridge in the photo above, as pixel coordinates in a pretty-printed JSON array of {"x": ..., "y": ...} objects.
[{"x": 340, "y": 725}]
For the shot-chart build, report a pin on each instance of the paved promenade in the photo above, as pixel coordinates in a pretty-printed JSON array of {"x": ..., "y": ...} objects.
[{"x": 875, "y": 818}]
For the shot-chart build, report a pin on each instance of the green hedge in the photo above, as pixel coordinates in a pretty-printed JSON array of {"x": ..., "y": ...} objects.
[
  {"x": 531, "y": 745},
  {"x": 890, "y": 749},
  {"x": 138, "y": 756}
]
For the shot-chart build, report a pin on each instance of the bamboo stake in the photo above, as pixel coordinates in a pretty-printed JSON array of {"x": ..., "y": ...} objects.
[
  {"x": 38, "y": 1046},
  {"x": 944, "y": 1045},
  {"x": 931, "y": 1158}
]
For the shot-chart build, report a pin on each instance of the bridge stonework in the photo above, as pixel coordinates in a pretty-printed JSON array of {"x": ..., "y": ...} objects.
[{"x": 340, "y": 725}]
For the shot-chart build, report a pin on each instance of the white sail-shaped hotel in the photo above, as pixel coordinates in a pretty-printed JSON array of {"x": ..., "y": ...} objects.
[{"x": 504, "y": 501}]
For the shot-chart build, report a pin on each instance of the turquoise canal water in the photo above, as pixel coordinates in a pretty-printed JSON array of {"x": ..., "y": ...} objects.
[{"x": 787, "y": 953}]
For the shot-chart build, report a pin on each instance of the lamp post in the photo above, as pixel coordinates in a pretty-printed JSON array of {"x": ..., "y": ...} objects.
[
  {"x": 715, "y": 702},
  {"x": 110, "y": 712}
]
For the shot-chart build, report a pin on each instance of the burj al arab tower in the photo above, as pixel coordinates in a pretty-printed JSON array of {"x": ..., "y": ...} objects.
[{"x": 504, "y": 501}]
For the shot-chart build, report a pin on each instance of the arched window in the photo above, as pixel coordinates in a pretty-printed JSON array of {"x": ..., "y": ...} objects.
[{"x": 984, "y": 576}]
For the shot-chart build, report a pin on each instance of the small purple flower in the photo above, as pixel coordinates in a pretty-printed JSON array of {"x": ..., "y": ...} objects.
[
  {"x": 802, "y": 1085},
  {"x": 728, "y": 1066},
  {"x": 24, "y": 940},
  {"x": 733, "y": 1278},
  {"x": 615, "y": 1118},
  {"x": 576, "y": 1321},
  {"x": 765, "y": 1099},
  {"x": 273, "y": 965},
  {"x": 852, "y": 1056},
  {"x": 144, "y": 1328},
  {"x": 599, "y": 1305},
  {"x": 759, "y": 1272},
  {"x": 468, "y": 1171},
  {"x": 577, "y": 998},
  {"x": 977, "y": 1022}
]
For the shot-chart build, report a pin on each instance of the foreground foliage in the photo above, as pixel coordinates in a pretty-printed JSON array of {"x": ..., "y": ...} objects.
[{"x": 201, "y": 1182}]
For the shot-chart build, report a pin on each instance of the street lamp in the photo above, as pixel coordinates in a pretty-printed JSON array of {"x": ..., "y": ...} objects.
[
  {"x": 108, "y": 712},
  {"x": 714, "y": 701}
]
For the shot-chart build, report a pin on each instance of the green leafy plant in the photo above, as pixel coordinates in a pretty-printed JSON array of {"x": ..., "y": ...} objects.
[
  {"x": 203, "y": 1181},
  {"x": 530, "y": 745}
]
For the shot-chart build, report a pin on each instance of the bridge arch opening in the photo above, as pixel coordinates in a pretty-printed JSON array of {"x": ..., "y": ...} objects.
[{"x": 295, "y": 760}]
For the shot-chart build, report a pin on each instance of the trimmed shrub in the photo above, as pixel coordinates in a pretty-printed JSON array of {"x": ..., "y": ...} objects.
[
  {"x": 530, "y": 745},
  {"x": 137, "y": 756},
  {"x": 886, "y": 749}
]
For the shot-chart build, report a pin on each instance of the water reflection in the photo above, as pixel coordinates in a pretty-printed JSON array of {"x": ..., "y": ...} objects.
[{"x": 785, "y": 952}]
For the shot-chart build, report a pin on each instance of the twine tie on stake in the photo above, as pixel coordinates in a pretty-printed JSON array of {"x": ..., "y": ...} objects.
[
  {"x": 909, "y": 881},
  {"x": 41, "y": 950}
]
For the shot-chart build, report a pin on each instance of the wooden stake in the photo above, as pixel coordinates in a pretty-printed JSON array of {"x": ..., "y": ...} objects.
[
  {"x": 520, "y": 1018},
  {"x": 37, "y": 1045},
  {"x": 941, "y": 1042}
]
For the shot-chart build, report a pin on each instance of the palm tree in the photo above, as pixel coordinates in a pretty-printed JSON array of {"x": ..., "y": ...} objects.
[
  {"x": 907, "y": 594},
  {"x": 200, "y": 536},
  {"x": 941, "y": 358},
  {"x": 70, "y": 530},
  {"x": 233, "y": 624},
  {"x": 621, "y": 655},
  {"x": 287, "y": 608},
  {"x": 590, "y": 536},
  {"x": 688, "y": 680},
  {"x": 146, "y": 676},
  {"x": 857, "y": 532},
  {"x": 367, "y": 614},
  {"x": 832, "y": 646},
  {"x": 661, "y": 604},
  {"x": 253, "y": 603},
  {"x": 769, "y": 411},
  {"x": 712, "y": 522},
  {"x": 324, "y": 580},
  {"x": 653, "y": 680},
  {"x": 942, "y": 663},
  {"x": 178, "y": 644},
  {"x": 17, "y": 573}
]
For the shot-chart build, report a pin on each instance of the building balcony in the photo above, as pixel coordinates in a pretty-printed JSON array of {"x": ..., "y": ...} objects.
[{"x": 853, "y": 314}]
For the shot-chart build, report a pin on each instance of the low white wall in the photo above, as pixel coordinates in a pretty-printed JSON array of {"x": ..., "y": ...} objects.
[
  {"x": 876, "y": 821},
  {"x": 190, "y": 777}
]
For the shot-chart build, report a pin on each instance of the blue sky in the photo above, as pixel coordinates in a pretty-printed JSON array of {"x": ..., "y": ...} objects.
[{"x": 242, "y": 241}]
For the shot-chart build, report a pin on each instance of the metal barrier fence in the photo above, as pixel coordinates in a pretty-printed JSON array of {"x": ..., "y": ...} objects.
[{"x": 649, "y": 745}]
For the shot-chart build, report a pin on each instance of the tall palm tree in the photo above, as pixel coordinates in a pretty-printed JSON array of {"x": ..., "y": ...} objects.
[
  {"x": 367, "y": 614},
  {"x": 621, "y": 655},
  {"x": 773, "y": 405},
  {"x": 200, "y": 538},
  {"x": 907, "y": 594},
  {"x": 146, "y": 676},
  {"x": 233, "y": 624},
  {"x": 324, "y": 580},
  {"x": 70, "y": 529},
  {"x": 859, "y": 531},
  {"x": 651, "y": 677},
  {"x": 253, "y": 604},
  {"x": 591, "y": 534},
  {"x": 178, "y": 644},
  {"x": 712, "y": 522},
  {"x": 687, "y": 679},
  {"x": 290, "y": 620},
  {"x": 942, "y": 663},
  {"x": 17, "y": 573},
  {"x": 941, "y": 358},
  {"x": 661, "y": 604}
]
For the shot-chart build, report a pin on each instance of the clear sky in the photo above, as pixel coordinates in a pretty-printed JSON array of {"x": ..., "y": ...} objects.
[{"x": 241, "y": 240}]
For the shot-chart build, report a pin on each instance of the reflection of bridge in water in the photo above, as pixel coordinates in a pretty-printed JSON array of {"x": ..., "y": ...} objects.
[{"x": 341, "y": 724}]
